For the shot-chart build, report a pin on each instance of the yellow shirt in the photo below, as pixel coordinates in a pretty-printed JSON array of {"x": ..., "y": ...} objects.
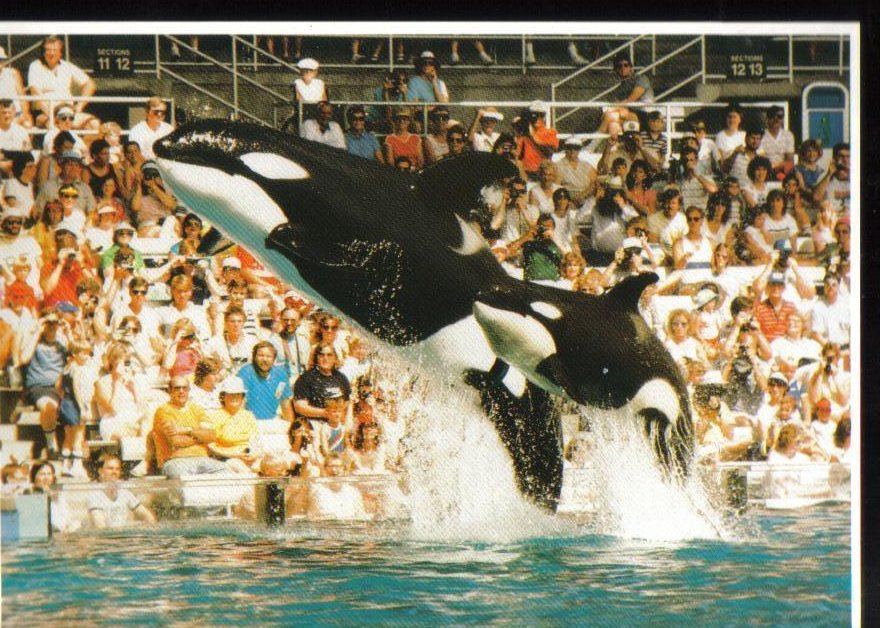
[
  {"x": 233, "y": 430},
  {"x": 167, "y": 417}
]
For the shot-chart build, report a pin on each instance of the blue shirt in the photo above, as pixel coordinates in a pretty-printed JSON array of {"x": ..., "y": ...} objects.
[
  {"x": 263, "y": 396},
  {"x": 421, "y": 90},
  {"x": 364, "y": 146}
]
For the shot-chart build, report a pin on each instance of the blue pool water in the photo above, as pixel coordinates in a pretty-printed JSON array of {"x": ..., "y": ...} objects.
[{"x": 785, "y": 569}]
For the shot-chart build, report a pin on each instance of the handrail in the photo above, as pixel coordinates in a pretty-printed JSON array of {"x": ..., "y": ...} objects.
[
  {"x": 24, "y": 52},
  {"x": 204, "y": 91},
  {"x": 593, "y": 64}
]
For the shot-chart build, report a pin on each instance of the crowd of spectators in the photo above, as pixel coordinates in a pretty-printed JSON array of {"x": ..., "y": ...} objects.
[{"x": 216, "y": 366}]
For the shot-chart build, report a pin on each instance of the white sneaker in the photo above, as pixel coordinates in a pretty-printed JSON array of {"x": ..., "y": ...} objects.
[
  {"x": 357, "y": 58},
  {"x": 575, "y": 56},
  {"x": 454, "y": 59},
  {"x": 484, "y": 56},
  {"x": 530, "y": 55}
]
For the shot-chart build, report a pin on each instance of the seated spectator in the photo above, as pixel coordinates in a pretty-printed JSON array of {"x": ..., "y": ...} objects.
[
  {"x": 758, "y": 190},
  {"x": 13, "y": 136},
  {"x": 358, "y": 140},
  {"x": 842, "y": 452},
  {"x": 787, "y": 449},
  {"x": 308, "y": 88},
  {"x": 668, "y": 224},
  {"x": 808, "y": 171},
  {"x": 829, "y": 380},
  {"x": 53, "y": 77},
  {"x": 482, "y": 134},
  {"x": 358, "y": 364},
  {"x": 541, "y": 195},
  {"x": 204, "y": 391},
  {"x": 575, "y": 174},
  {"x": 113, "y": 506},
  {"x": 708, "y": 155},
  {"x": 232, "y": 348},
  {"x": 70, "y": 174},
  {"x": 292, "y": 344},
  {"x": 18, "y": 190},
  {"x": 130, "y": 167},
  {"x": 632, "y": 258},
  {"x": 791, "y": 349},
  {"x": 184, "y": 351},
  {"x": 823, "y": 428},
  {"x": 709, "y": 320},
  {"x": 568, "y": 222},
  {"x": 152, "y": 128},
  {"x": 777, "y": 144},
  {"x": 45, "y": 356},
  {"x": 99, "y": 237},
  {"x": 632, "y": 88},
  {"x": 536, "y": 141},
  {"x": 655, "y": 140},
  {"x": 191, "y": 236},
  {"x": 137, "y": 307},
  {"x": 830, "y": 320},
  {"x": 639, "y": 193},
  {"x": 402, "y": 143},
  {"x": 323, "y": 381},
  {"x": 797, "y": 203},
  {"x": 15, "y": 477},
  {"x": 834, "y": 186},
  {"x": 17, "y": 244},
  {"x": 234, "y": 425},
  {"x": 455, "y": 140},
  {"x": 121, "y": 394},
  {"x": 426, "y": 85},
  {"x": 327, "y": 333},
  {"x": 112, "y": 133},
  {"x": 268, "y": 389},
  {"x": 60, "y": 276},
  {"x": 110, "y": 194},
  {"x": 629, "y": 148},
  {"x": 718, "y": 226},
  {"x": 323, "y": 128},
  {"x": 306, "y": 459},
  {"x": 12, "y": 89},
  {"x": 695, "y": 188},
  {"x": 756, "y": 240},
  {"x": 333, "y": 499},
  {"x": 694, "y": 249},
  {"x": 182, "y": 306},
  {"x": 681, "y": 340},
  {"x": 730, "y": 137},
  {"x": 333, "y": 435},
  {"x": 716, "y": 426},
  {"x": 181, "y": 434},
  {"x": 62, "y": 128},
  {"x": 150, "y": 202},
  {"x": 368, "y": 454},
  {"x": 43, "y": 480},
  {"x": 99, "y": 169},
  {"x": 435, "y": 144}
]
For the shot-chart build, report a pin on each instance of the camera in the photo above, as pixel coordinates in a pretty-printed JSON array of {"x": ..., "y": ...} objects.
[
  {"x": 782, "y": 262},
  {"x": 640, "y": 233},
  {"x": 829, "y": 364}
]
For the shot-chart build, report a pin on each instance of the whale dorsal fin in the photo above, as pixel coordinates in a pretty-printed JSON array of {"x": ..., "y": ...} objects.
[
  {"x": 628, "y": 291},
  {"x": 455, "y": 183}
]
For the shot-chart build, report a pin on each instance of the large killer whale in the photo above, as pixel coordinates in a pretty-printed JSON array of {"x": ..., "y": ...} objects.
[{"x": 393, "y": 253}]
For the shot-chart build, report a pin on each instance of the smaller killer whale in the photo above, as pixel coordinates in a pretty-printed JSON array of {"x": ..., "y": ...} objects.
[{"x": 393, "y": 254}]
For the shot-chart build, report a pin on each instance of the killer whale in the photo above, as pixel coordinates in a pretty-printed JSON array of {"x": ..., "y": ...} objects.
[{"x": 392, "y": 253}]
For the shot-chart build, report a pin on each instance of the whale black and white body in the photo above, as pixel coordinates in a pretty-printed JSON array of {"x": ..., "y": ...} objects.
[{"x": 392, "y": 253}]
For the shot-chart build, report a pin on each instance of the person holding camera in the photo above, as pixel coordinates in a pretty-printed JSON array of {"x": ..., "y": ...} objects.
[
  {"x": 794, "y": 348},
  {"x": 60, "y": 276},
  {"x": 744, "y": 371},
  {"x": 541, "y": 256},
  {"x": 150, "y": 202},
  {"x": 184, "y": 351},
  {"x": 610, "y": 213},
  {"x": 394, "y": 88},
  {"x": 630, "y": 148},
  {"x": 829, "y": 380},
  {"x": 629, "y": 260},
  {"x": 120, "y": 393},
  {"x": 535, "y": 140},
  {"x": 516, "y": 217}
]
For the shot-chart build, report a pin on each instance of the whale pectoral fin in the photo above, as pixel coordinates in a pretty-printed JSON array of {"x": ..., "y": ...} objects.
[
  {"x": 511, "y": 377},
  {"x": 628, "y": 291}
]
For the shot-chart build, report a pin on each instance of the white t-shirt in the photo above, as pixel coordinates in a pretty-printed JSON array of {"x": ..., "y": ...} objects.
[
  {"x": 775, "y": 148},
  {"x": 792, "y": 351},
  {"x": 333, "y": 136},
  {"x": 15, "y": 138},
  {"x": 23, "y": 192},
  {"x": 145, "y": 136},
  {"x": 57, "y": 82},
  {"x": 728, "y": 143},
  {"x": 483, "y": 142},
  {"x": 117, "y": 511},
  {"x": 832, "y": 320},
  {"x": 196, "y": 314},
  {"x": 782, "y": 229},
  {"x": 313, "y": 92}
]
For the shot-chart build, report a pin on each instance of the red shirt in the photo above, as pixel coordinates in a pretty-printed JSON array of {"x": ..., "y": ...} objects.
[
  {"x": 530, "y": 155},
  {"x": 412, "y": 148},
  {"x": 66, "y": 288},
  {"x": 251, "y": 263},
  {"x": 773, "y": 322}
]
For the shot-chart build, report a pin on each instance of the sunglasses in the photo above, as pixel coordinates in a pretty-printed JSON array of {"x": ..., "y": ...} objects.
[
  {"x": 158, "y": 112},
  {"x": 69, "y": 195},
  {"x": 358, "y": 118},
  {"x": 139, "y": 293},
  {"x": 125, "y": 233},
  {"x": 14, "y": 221},
  {"x": 184, "y": 387},
  {"x": 64, "y": 118},
  {"x": 694, "y": 218}
]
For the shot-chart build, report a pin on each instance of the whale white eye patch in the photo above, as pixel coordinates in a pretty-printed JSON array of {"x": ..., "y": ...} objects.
[
  {"x": 546, "y": 309},
  {"x": 271, "y": 166}
]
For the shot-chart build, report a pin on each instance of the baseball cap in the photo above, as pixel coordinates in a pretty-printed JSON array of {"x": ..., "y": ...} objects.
[
  {"x": 70, "y": 154},
  {"x": 491, "y": 112},
  {"x": 777, "y": 376},
  {"x": 308, "y": 64},
  {"x": 66, "y": 306},
  {"x": 427, "y": 54},
  {"x": 704, "y": 296},
  {"x": 231, "y": 262},
  {"x": 65, "y": 110},
  {"x": 232, "y": 385},
  {"x": 776, "y": 277},
  {"x": 150, "y": 165},
  {"x": 538, "y": 106},
  {"x": 573, "y": 142},
  {"x": 124, "y": 226}
]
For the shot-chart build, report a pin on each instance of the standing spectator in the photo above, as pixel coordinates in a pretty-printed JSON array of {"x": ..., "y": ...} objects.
[
  {"x": 610, "y": 213},
  {"x": 654, "y": 139},
  {"x": 708, "y": 153},
  {"x": 395, "y": 86},
  {"x": 268, "y": 386},
  {"x": 730, "y": 136},
  {"x": 718, "y": 227},
  {"x": 834, "y": 186},
  {"x": 541, "y": 195},
  {"x": 402, "y": 143},
  {"x": 772, "y": 313},
  {"x": 538, "y": 141},
  {"x": 829, "y": 381},
  {"x": 150, "y": 202},
  {"x": 53, "y": 77},
  {"x": 358, "y": 140},
  {"x": 777, "y": 144},
  {"x": 426, "y": 85},
  {"x": 12, "y": 89},
  {"x": 113, "y": 506},
  {"x": 308, "y": 88},
  {"x": 575, "y": 174},
  {"x": 482, "y": 133},
  {"x": 99, "y": 171},
  {"x": 631, "y": 89},
  {"x": 790, "y": 349},
  {"x": 294, "y": 346},
  {"x": 152, "y": 128},
  {"x": 181, "y": 435},
  {"x": 234, "y": 425},
  {"x": 695, "y": 188},
  {"x": 45, "y": 356},
  {"x": 323, "y": 128}
]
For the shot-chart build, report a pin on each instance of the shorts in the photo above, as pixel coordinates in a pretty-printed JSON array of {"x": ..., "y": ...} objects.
[{"x": 35, "y": 393}]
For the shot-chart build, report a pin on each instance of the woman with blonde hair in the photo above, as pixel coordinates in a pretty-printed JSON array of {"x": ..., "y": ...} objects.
[
  {"x": 120, "y": 394},
  {"x": 184, "y": 351}
]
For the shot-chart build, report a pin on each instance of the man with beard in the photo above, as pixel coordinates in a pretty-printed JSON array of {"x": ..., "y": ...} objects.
[{"x": 268, "y": 387}]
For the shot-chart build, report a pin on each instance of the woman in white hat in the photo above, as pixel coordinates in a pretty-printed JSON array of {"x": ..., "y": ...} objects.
[{"x": 482, "y": 133}]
